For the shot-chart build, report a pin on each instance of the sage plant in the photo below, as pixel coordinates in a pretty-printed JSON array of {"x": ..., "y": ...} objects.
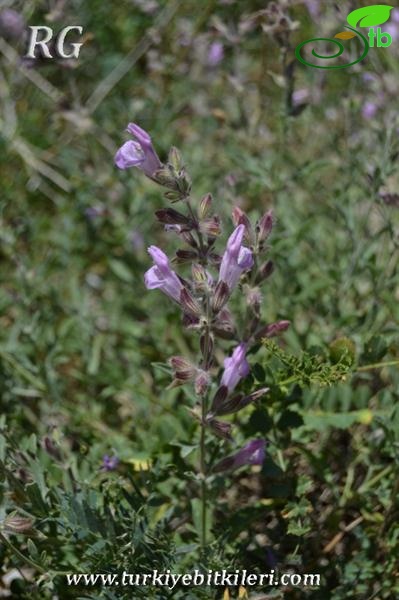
[{"x": 204, "y": 300}]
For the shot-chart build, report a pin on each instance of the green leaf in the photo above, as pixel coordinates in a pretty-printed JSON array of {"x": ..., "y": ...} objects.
[
  {"x": 35, "y": 497},
  {"x": 95, "y": 358},
  {"x": 186, "y": 549},
  {"x": 259, "y": 372},
  {"x": 33, "y": 551},
  {"x": 271, "y": 469},
  {"x": 375, "y": 349},
  {"x": 298, "y": 530},
  {"x": 185, "y": 449},
  {"x": 289, "y": 419},
  {"x": 120, "y": 270},
  {"x": 260, "y": 421},
  {"x": 3, "y": 445},
  {"x": 369, "y": 16},
  {"x": 320, "y": 420}
]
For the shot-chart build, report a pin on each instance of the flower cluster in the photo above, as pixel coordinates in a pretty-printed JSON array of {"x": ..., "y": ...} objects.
[{"x": 204, "y": 296}]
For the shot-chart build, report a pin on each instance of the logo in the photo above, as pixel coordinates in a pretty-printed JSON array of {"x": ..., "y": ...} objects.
[
  {"x": 59, "y": 44},
  {"x": 369, "y": 16}
]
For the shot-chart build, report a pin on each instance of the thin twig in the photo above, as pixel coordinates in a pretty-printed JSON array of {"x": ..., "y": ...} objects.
[
  {"x": 29, "y": 157},
  {"x": 38, "y": 80},
  {"x": 104, "y": 88}
]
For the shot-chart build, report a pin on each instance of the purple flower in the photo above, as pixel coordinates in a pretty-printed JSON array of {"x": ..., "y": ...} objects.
[
  {"x": 252, "y": 453},
  {"x": 235, "y": 367},
  {"x": 300, "y": 97},
  {"x": 369, "y": 110},
  {"x": 313, "y": 7},
  {"x": 95, "y": 211},
  {"x": 139, "y": 153},
  {"x": 392, "y": 27},
  {"x": 215, "y": 54},
  {"x": 236, "y": 258},
  {"x": 162, "y": 276},
  {"x": 369, "y": 77},
  {"x": 12, "y": 24},
  {"x": 110, "y": 463}
]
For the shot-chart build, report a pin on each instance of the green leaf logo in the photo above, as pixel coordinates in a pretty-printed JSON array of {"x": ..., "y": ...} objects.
[{"x": 370, "y": 16}]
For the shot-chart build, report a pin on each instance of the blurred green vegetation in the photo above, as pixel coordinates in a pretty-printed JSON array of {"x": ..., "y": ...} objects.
[{"x": 81, "y": 339}]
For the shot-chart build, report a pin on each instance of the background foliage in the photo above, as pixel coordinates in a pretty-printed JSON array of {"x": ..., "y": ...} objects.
[{"x": 82, "y": 344}]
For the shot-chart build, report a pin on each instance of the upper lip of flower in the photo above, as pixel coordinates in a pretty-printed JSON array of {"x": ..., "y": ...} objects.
[{"x": 141, "y": 136}]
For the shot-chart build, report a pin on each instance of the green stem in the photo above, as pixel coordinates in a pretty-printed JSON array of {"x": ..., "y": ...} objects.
[
  {"x": 206, "y": 357},
  {"x": 29, "y": 561},
  {"x": 292, "y": 379},
  {"x": 203, "y": 474},
  {"x": 392, "y": 363},
  {"x": 24, "y": 558}
]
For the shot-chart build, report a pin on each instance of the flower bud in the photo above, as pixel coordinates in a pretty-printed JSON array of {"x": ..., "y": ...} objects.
[
  {"x": 220, "y": 296},
  {"x": 265, "y": 271},
  {"x": 207, "y": 344},
  {"x": 173, "y": 196},
  {"x": 189, "y": 304},
  {"x": 221, "y": 429},
  {"x": 272, "y": 330},
  {"x": 170, "y": 216},
  {"x": 189, "y": 239},
  {"x": 201, "y": 279},
  {"x": 224, "y": 326},
  {"x": 16, "y": 524},
  {"x": 265, "y": 225},
  {"x": 198, "y": 273},
  {"x": 205, "y": 206},
  {"x": 254, "y": 298},
  {"x": 240, "y": 218},
  {"x": 183, "y": 370},
  {"x": 219, "y": 398},
  {"x": 202, "y": 382},
  {"x": 164, "y": 177},
  {"x": 228, "y": 406},
  {"x": 184, "y": 256},
  {"x": 211, "y": 227},
  {"x": 175, "y": 159}
]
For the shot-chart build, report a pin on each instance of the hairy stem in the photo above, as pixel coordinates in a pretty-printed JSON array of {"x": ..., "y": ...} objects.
[
  {"x": 21, "y": 556},
  {"x": 203, "y": 473},
  {"x": 206, "y": 361}
]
